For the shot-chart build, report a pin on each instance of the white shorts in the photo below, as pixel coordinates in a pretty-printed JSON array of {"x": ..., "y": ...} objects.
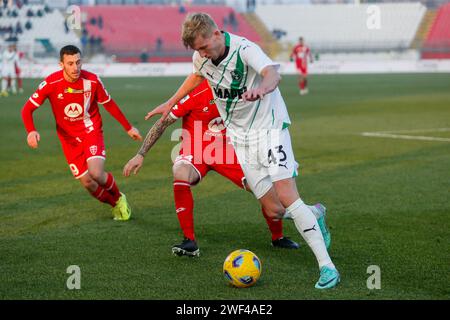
[
  {"x": 9, "y": 71},
  {"x": 269, "y": 160}
]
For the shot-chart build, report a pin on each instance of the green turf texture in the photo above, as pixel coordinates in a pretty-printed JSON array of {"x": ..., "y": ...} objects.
[{"x": 388, "y": 201}]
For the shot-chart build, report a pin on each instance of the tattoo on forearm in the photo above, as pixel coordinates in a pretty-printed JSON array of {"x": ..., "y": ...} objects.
[{"x": 153, "y": 135}]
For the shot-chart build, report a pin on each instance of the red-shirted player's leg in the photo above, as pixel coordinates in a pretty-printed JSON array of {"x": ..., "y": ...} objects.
[
  {"x": 96, "y": 191},
  {"x": 184, "y": 175},
  {"x": 184, "y": 205},
  {"x": 94, "y": 152},
  {"x": 275, "y": 226},
  {"x": 105, "y": 180},
  {"x": 301, "y": 82},
  {"x": 111, "y": 185},
  {"x": 73, "y": 150}
]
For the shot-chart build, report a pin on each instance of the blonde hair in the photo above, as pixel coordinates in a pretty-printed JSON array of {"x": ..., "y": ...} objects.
[{"x": 197, "y": 24}]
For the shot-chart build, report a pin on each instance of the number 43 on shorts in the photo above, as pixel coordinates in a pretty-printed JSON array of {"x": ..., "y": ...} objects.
[{"x": 281, "y": 155}]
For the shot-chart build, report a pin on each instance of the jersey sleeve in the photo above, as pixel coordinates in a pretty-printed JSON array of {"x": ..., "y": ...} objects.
[
  {"x": 183, "y": 107},
  {"x": 253, "y": 56},
  {"x": 102, "y": 95},
  {"x": 294, "y": 52},
  {"x": 39, "y": 96}
]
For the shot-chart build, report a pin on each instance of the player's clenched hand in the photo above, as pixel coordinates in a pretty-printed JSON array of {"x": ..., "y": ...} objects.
[
  {"x": 162, "y": 109},
  {"x": 133, "y": 165},
  {"x": 134, "y": 134},
  {"x": 33, "y": 138},
  {"x": 253, "y": 94}
]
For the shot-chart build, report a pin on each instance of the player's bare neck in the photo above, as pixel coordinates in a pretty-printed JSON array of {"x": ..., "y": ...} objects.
[
  {"x": 69, "y": 79},
  {"x": 223, "y": 52}
]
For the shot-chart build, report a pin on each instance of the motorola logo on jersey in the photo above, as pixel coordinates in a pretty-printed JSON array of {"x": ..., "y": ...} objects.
[
  {"x": 73, "y": 110},
  {"x": 216, "y": 125}
]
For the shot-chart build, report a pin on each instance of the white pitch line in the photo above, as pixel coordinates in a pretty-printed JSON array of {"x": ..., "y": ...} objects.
[
  {"x": 417, "y": 130},
  {"x": 401, "y": 136}
]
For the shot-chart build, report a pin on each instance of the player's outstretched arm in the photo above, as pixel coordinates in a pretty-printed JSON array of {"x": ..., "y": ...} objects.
[
  {"x": 271, "y": 79},
  {"x": 155, "y": 132},
  {"x": 191, "y": 82},
  {"x": 33, "y": 136}
]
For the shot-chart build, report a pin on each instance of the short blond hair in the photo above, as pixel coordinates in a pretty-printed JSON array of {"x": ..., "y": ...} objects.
[{"x": 195, "y": 24}]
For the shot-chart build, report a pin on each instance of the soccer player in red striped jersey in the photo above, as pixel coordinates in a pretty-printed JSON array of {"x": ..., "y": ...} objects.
[
  {"x": 301, "y": 53},
  {"x": 204, "y": 148},
  {"x": 74, "y": 95}
]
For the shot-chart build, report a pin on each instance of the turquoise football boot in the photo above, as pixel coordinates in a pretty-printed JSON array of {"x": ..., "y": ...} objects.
[
  {"x": 329, "y": 278},
  {"x": 321, "y": 211}
]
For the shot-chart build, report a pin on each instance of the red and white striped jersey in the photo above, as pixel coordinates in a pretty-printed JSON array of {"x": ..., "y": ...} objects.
[
  {"x": 74, "y": 105},
  {"x": 300, "y": 54}
]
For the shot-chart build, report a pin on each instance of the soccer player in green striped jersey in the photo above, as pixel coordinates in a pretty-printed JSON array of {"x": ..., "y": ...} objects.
[{"x": 245, "y": 85}]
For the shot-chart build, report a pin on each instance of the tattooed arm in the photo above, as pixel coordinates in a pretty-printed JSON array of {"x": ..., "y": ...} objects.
[{"x": 153, "y": 135}]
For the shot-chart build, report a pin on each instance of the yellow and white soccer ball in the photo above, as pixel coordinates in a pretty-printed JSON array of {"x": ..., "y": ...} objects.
[{"x": 242, "y": 268}]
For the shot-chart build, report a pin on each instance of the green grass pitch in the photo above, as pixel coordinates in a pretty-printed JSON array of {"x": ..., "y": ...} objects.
[{"x": 388, "y": 201}]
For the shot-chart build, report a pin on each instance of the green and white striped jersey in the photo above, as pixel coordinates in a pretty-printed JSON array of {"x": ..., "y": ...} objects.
[{"x": 238, "y": 72}]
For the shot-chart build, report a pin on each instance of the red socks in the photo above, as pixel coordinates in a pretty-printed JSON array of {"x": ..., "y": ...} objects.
[
  {"x": 104, "y": 196},
  {"x": 303, "y": 84},
  {"x": 111, "y": 187},
  {"x": 109, "y": 193},
  {"x": 184, "y": 205},
  {"x": 275, "y": 227}
]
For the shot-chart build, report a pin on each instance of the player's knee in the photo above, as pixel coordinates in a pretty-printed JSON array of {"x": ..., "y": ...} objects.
[
  {"x": 275, "y": 212},
  {"x": 97, "y": 175},
  {"x": 181, "y": 171}
]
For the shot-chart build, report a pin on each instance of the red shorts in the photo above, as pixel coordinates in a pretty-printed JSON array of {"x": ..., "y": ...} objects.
[
  {"x": 302, "y": 67},
  {"x": 79, "y": 150},
  {"x": 231, "y": 171},
  {"x": 303, "y": 70}
]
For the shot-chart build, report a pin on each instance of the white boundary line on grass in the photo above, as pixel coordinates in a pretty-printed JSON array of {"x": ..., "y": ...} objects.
[{"x": 395, "y": 135}]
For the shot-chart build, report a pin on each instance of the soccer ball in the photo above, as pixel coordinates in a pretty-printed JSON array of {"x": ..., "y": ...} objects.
[{"x": 242, "y": 268}]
